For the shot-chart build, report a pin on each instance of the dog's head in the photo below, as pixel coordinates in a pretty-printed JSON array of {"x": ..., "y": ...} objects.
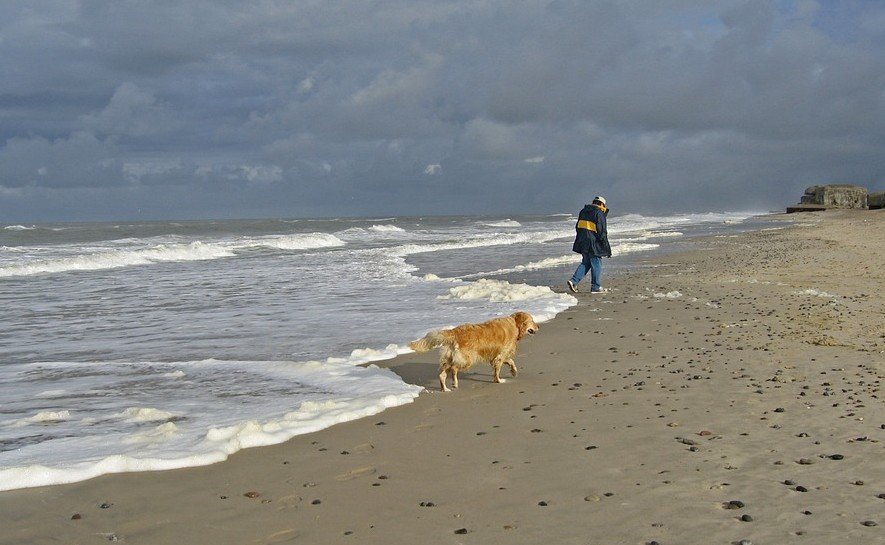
[{"x": 525, "y": 324}]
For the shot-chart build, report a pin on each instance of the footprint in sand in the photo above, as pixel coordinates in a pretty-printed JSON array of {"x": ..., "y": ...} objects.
[
  {"x": 281, "y": 536},
  {"x": 356, "y": 474}
]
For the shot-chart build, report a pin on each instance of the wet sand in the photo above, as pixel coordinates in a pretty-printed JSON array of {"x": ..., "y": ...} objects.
[{"x": 731, "y": 394}]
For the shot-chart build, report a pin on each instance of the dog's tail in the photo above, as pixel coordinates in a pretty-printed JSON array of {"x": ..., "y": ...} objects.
[{"x": 432, "y": 340}]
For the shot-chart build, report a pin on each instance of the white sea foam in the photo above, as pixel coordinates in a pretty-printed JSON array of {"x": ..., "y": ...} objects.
[
  {"x": 638, "y": 236},
  {"x": 675, "y": 294},
  {"x": 163, "y": 432},
  {"x": 51, "y": 416},
  {"x": 480, "y": 242},
  {"x": 624, "y": 248},
  {"x": 42, "y": 417},
  {"x": 115, "y": 255},
  {"x": 387, "y": 229},
  {"x": 20, "y": 228},
  {"x": 145, "y": 414},
  {"x": 301, "y": 241},
  {"x": 195, "y": 251},
  {"x": 210, "y": 430},
  {"x": 814, "y": 293},
  {"x": 620, "y": 248},
  {"x": 508, "y": 223},
  {"x": 499, "y": 291},
  {"x": 548, "y": 263}
]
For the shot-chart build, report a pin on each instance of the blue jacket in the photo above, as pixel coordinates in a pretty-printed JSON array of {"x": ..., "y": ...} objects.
[{"x": 592, "y": 234}]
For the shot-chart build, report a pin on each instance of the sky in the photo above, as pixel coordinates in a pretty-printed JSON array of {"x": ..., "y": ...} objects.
[{"x": 186, "y": 109}]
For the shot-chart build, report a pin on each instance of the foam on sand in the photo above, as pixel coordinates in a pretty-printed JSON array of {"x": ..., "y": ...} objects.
[
  {"x": 675, "y": 294},
  {"x": 204, "y": 431},
  {"x": 814, "y": 293}
]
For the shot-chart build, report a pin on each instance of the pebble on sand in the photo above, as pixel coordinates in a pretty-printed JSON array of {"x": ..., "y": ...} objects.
[{"x": 252, "y": 494}]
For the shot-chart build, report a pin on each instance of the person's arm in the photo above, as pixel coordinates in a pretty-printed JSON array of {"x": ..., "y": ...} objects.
[{"x": 602, "y": 233}]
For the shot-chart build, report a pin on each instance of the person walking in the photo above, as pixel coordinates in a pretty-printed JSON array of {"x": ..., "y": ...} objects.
[{"x": 591, "y": 241}]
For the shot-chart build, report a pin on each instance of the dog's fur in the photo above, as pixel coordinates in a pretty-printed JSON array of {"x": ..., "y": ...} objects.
[{"x": 493, "y": 341}]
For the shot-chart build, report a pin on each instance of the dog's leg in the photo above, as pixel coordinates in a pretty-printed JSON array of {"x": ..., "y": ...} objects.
[
  {"x": 512, "y": 365},
  {"x": 496, "y": 367},
  {"x": 442, "y": 379},
  {"x": 454, "y": 377}
]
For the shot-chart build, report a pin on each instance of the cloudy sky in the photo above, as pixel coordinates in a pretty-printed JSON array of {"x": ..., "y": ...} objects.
[{"x": 192, "y": 109}]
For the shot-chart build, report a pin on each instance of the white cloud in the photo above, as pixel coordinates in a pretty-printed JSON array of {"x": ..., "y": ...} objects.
[
  {"x": 534, "y": 160},
  {"x": 431, "y": 170}
]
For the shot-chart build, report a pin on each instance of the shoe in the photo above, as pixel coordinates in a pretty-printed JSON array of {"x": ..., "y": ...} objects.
[
  {"x": 600, "y": 290},
  {"x": 572, "y": 286}
]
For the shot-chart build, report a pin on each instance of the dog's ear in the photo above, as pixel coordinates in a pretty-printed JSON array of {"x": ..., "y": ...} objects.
[{"x": 522, "y": 320}]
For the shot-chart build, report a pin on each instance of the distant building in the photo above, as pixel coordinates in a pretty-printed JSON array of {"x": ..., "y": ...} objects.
[{"x": 823, "y": 197}]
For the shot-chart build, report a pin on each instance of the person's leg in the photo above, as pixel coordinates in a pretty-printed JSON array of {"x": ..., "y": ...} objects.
[
  {"x": 595, "y": 273},
  {"x": 582, "y": 269}
]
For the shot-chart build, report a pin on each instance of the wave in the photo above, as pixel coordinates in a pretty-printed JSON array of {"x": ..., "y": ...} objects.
[
  {"x": 481, "y": 241},
  {"x": 618, "y": 248},
  {"x": 111, "y": 258},
  {"x": 19, "y": 228},
  {"x": 505, "y": 223},
  {"x": 387, "y": 229},
  {"x": 549, "y": 263},
  {"x": 195, "y": 251},
  {"x": 301, "y": 241},
  {"x": 629, "y": 223}
]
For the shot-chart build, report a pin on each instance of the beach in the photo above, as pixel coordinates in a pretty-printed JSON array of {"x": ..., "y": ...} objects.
[{"x": 728, "y": 393}]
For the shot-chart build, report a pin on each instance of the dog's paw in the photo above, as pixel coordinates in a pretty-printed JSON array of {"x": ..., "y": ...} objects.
[
  {"x": 501, "y": 380},
  {"x": 513, "y": 371}
]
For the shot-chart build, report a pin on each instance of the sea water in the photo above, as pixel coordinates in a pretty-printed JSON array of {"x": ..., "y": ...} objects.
[{"x": 159, "y": 345}]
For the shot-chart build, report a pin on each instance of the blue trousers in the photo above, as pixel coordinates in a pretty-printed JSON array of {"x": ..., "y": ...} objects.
[{"x": 593, "y": 264}]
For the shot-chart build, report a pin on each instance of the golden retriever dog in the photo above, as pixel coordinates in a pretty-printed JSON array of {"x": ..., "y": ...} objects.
[{"x": 493, "y": 341}]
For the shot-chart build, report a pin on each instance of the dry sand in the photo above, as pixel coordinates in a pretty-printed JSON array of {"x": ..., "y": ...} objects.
[{"x": 701, "y": 379}]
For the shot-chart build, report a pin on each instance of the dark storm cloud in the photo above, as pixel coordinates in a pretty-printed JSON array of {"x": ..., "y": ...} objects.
[{"x": 197, "y": 108}]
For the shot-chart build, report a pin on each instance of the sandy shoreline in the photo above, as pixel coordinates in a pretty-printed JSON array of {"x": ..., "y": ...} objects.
[{"x": 748, "y": 370}]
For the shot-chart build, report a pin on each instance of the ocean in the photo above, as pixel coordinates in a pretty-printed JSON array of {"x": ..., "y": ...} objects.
[{"x": 136, "y": 346}]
